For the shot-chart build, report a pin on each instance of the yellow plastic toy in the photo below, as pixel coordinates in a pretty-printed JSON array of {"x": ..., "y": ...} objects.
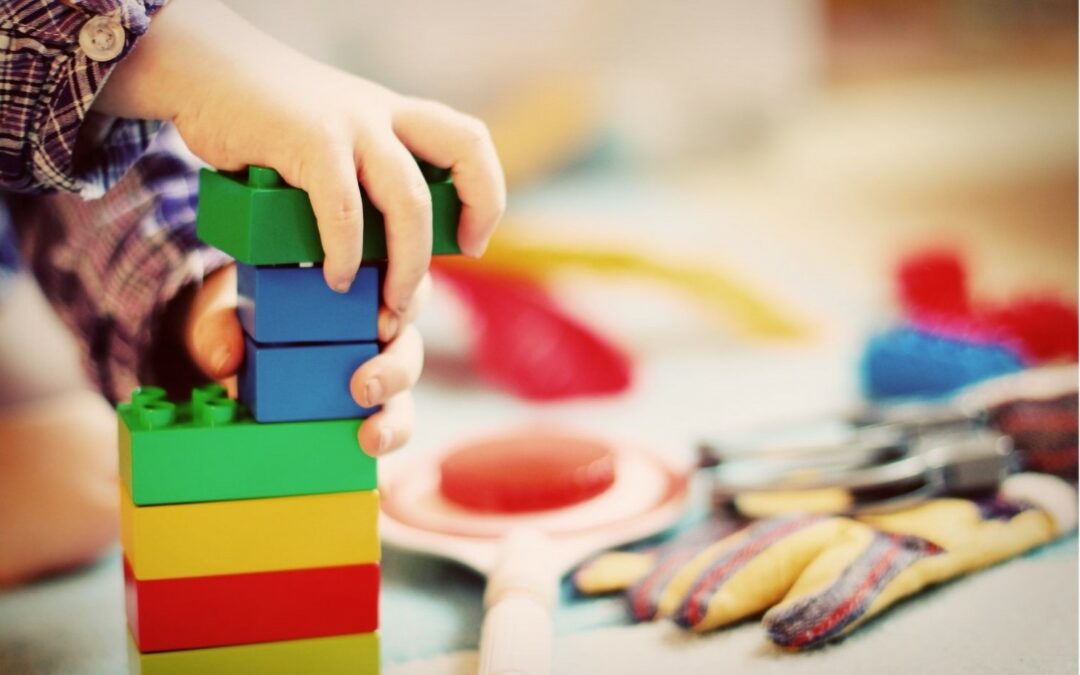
[{"x": 250, "y": 535}]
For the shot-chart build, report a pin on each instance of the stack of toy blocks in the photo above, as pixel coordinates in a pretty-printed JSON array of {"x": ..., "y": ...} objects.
[{"x": 249, "y": 527}]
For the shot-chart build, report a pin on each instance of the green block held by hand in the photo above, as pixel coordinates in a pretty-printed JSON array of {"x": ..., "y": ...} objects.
[{"x": 260, "y": 220}]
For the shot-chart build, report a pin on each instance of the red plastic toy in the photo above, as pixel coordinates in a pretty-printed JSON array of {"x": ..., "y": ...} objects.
[
  {"x": 526, "y": 473},
  {"x": 530, "y": 347},
  {"x": 233, "y": 609}
]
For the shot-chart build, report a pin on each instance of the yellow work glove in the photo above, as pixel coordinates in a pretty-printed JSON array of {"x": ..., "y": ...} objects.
[{"x": 819, "y": 577}]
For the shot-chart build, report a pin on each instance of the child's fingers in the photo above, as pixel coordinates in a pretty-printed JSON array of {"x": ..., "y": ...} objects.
[
  {"x": 446, "y": 137},
  {"x": 212, "y": 332},
  {"x": 218, "y": 344},
  {"x": 398, "y": 190},
  {"x": 393, "y": 371},
  {"x": 390, "y": 428},
  {"x": 330, "y": 181},
  {"x": 391, "y": 323}
]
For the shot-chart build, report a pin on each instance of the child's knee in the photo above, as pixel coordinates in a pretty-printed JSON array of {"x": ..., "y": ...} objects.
[
  {"x": 58, "y": 476},
  {"x": 38, "y": 354}
]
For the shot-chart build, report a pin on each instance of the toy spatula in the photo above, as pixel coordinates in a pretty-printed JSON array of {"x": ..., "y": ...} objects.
[{"x": 522, "y": 552}]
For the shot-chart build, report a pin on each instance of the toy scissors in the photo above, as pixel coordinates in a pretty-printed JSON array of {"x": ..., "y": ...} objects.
[{"x": 886, "y": 457}]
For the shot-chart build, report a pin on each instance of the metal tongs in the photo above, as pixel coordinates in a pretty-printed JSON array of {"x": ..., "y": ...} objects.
[{"x": 886, "y": 457}]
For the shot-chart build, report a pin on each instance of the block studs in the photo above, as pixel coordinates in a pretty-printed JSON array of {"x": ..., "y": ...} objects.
[
  {"x": 215, "y": 412},
  {"x": 262, "y": 177},
  {"x": 207, "y": 392},
  {"x": 156, "y": 414},
  {"x": 143, "y": 395}
]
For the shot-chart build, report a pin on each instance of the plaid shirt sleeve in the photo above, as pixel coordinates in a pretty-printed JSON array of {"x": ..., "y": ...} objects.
[
  {"x": 49, "y": 138},
  {"x": 111, "y": 266}
]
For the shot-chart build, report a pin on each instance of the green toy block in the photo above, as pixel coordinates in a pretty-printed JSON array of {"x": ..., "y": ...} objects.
[
  {"x": 210, "y": 449},
  {"x": 259, "y": 220}
]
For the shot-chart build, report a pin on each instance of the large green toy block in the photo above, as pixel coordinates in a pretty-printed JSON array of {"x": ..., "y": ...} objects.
[
  {"x": 259, "y": 220},
  {"x": 210, "y": 449}
]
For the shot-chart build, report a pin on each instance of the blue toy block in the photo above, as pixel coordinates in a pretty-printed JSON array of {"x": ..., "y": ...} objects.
[
  {"x": 299, "y": 382},
  {"x": 905, "y": 363},
  {"x": 293, "y": 304}
]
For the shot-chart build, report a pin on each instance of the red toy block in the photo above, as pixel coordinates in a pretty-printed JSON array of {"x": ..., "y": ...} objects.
[{"x": 235, "y": 609}]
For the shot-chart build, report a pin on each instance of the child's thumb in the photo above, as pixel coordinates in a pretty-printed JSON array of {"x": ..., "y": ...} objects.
[
  {"x": 212, "y": 332},
  {"x": 218, "y": 345}
]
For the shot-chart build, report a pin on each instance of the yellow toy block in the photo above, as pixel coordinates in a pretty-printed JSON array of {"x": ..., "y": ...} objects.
[
  {"x": 339, "y": 655},
  {"x": 249, "y": 535}
]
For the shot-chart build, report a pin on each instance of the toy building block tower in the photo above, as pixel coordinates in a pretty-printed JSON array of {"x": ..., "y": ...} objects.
[{"x": 249, "y": 527}]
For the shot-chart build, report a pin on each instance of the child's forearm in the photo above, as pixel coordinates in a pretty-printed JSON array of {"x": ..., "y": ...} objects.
[{"x": 193, "y": 48}]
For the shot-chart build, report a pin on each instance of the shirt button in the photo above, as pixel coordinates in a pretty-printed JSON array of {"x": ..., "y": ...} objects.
[{"x": 102, "y": 38}]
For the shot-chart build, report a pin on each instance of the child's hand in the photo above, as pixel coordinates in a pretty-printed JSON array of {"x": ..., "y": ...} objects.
[
  {"x": 238, "y": 98},
  {"x": 215, "y": 342}
]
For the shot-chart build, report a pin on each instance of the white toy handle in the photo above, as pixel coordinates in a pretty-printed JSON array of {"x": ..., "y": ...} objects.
[{"x": 516, "y": 637}]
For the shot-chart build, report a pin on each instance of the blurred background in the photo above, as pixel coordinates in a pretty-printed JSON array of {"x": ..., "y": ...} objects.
[
  {"x": 796, "y": 150},
  {"x": 836, "y": 130}
]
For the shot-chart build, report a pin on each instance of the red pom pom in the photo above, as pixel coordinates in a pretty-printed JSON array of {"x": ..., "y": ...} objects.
[
  {"x": 934, "y": 296},
  {"x": 933, "y": 283},
  {"x": 527, "y": 473},
  {"x": 1045, "y": 327}
]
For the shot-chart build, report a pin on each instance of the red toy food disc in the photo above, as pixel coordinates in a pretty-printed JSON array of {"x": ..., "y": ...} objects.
[{"x": 527, "y": 472}]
